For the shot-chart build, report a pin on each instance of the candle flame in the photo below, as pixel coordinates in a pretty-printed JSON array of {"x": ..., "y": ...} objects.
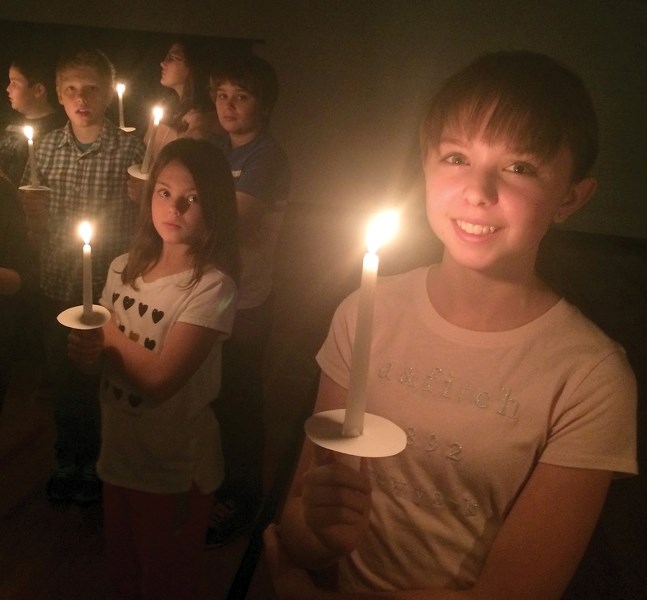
[
  {"x": 85, "y": 230},
  {"x": 121, "y": 88},
  {"x": 28, "y": 130},
  {"x": 381, "y": 229},
  {"x": 158, "y": 113}
]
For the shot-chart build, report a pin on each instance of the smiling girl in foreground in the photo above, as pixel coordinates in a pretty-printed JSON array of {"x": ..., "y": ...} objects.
[
  {"x": 172, "y": 301},
  {"x": 518, "y": 410}
]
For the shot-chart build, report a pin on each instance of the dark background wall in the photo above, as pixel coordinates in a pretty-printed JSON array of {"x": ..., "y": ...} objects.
[{"x": 355, "y": 76}]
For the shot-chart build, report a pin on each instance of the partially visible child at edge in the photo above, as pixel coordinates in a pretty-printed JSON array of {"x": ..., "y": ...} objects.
[
  {"x": 245, "y": 90},
  {"x": 17, "y": 276},
  {"x": 85, "y": 165},
  {"x": 172, "y": 301},
  {"x": 518, "y": 410},
  {"x": 32, "y": 95}
]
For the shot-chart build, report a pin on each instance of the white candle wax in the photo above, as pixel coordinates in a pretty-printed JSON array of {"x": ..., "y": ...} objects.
[
  {"x": 381, "y": 228},
  {"x": 120, "y": 92},
  {"x": 356, "y": 400},
  {"x": 157, "y": 117},
  {"x": 86, "y": 232},
  {"x": 33, "y": 175}
]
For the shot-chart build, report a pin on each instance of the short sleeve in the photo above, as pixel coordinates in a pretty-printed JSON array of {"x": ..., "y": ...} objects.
[
  {"x": 212, "y": 303},
  {"x": 334, "y": 357},
  {"x": 596, "y": 426}
]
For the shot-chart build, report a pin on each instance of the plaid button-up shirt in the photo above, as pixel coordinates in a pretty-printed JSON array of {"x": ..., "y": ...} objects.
[{"x": 87, "y": 185}]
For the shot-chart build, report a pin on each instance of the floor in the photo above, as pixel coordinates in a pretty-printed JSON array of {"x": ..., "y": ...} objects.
[{"x": 50, "y": 552}]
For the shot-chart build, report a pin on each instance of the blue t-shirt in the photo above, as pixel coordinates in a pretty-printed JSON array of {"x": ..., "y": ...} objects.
[{"x": 260, "y": 168}]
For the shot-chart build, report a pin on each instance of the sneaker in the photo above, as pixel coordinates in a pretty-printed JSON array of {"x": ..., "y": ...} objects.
[
  {"x": 61, "y": 486},
  {"x": 228, "y": 521},
  {"x": 88, "y": 488}
]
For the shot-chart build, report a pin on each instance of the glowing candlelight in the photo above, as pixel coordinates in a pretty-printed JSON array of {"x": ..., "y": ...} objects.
[
  {"x": 33, "y": 175},
  {"x": 121, "y": 88},
  {"x": 381, "y": 228},
  {"x": 86, "y": 232},
  {"x": 158, "y": 113}
]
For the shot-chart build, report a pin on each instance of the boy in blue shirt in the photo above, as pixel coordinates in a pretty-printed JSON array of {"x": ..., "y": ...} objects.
[{"x": 245, "y": 91}]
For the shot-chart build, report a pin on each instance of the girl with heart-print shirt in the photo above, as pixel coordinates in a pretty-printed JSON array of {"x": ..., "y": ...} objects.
[{"x": 172, "y": 299}]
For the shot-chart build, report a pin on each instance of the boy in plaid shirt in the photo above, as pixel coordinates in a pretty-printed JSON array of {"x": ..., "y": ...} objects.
[{"x": 85, "y": 165}]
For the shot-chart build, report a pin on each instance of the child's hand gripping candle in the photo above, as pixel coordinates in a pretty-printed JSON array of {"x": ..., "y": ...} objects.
[
  {"x": 33, "y": 175},
  {"x": 380, "y": 230},
  {"x": 86, "y": 232},
  {"x": 121, "y": 88},
  {"x": 158, "y": 113}
]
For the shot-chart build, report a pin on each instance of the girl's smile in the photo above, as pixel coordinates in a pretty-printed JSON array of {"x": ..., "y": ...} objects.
[
  {"x": 475, "y": 229},
  {"x": 491, "y": 205}
]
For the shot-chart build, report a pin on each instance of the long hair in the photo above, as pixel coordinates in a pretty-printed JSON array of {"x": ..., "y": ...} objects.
[
  {"x": 195, "y": 93},
  {"x": 215, "y": 186},
  {"x": 526, "y": 98}
]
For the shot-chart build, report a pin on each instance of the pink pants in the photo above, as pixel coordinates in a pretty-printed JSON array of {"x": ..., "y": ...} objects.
[{"x": 155, "y": 542}]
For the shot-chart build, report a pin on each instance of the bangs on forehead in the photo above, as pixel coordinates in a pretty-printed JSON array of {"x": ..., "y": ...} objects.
[
  {"x": 525, "y": 100},
  {"x": 500, "y": 119},
  {"x": 235, "y": 80}
]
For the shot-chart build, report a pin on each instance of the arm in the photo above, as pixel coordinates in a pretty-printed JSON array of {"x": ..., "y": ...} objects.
[
  {"x": 250, "y": 214},
  {"x": 327, "y": 510},
  {"x": 200, "y": 124},
  {"x": 35, "y": 204},
  {"x": 17, "y": 270},
  {"x": 159, "y": 375},
  {"x": 261, "y": 187},
  {"x": 545, "y": 535}
]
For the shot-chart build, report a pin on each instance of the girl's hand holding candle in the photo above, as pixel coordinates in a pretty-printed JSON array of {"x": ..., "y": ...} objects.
[{"x": 378, "y": 232}]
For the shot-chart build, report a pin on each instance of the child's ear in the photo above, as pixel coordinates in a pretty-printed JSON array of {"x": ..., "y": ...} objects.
[
  {"x": 39, "y": 90},
  {"x": 579, "y": 194}
]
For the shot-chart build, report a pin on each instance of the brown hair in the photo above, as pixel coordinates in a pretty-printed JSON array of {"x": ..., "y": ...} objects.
[
  {"x": 215, "y": 186},
  {"x": 88, "y": 57},
  {"x": 195, "y": 94},
  {"x": 254, "y": 75},
  {"x": 529, "y": 99}
]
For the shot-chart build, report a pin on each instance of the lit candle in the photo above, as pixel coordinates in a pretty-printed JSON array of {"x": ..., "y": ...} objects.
[
  {"x": 157, "y": 117},
  {"x": 33, "y": 175},
  {"x": 378, "y": 232},
  {"x": 120, "y": 92},
  {"x": 86, "y": 232}
]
